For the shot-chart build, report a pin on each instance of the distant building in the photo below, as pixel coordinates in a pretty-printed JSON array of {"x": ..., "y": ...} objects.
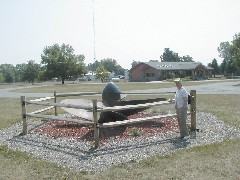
[
  {"x": 90, "y": 76},
  {"x": 156, "y": 71}
]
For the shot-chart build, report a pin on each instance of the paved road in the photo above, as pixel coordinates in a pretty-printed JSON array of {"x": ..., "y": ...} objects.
[
  {"x": 7, "y": 93},
  {"x": 231, "y": 87},
  {"x": 218, "y": 87}
]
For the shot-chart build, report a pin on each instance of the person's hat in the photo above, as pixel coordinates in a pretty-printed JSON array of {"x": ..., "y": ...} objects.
[{"x": 178, "y": 80}]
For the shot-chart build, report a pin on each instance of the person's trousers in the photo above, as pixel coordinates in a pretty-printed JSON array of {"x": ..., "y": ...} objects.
[{"x": 182, "y": 121}]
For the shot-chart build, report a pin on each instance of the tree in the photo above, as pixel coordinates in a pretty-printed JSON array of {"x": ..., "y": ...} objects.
[
  {"x": 229, "y": 52},
  {"x": 93, "y": 66},
  {"x": 18, "y": 72},
  {"x": 223, "y": 66},
  {"x": 109, "y": 64},
  {"x": 8, "y": 71},
  {"x": 80, "y": 66},
  {"x": 60, "y": 61},
  {"x": 187, "y": 58},
  {"x": 102, "y": 74},
  {"x": 223, "y": 50},
  {"x": 1, "y": 77},
  {"x": 30, "y": 71},
  {"x": 234, "y": 50},
  {"x": 170, "y": 56},
  {"x": 215, "y": 66}
]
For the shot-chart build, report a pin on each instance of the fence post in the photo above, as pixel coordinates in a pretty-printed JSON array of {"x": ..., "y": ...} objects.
[
  {"x": 24, "y": 117},
  {"x": 95, "y": 125},
  {"x": 193, "y": 110},
  {"x": 55, "y": 101}
]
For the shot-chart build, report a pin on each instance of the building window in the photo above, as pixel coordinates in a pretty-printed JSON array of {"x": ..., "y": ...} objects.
[{"x": 150, "y": 74}]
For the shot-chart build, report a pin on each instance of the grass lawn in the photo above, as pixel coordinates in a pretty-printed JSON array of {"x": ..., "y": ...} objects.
[
  {"x": 97, "y": 87},
  {"x": 215, "y": 161}
]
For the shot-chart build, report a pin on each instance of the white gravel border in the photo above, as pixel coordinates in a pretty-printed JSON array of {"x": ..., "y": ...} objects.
[{"x": 80, "y": 155}]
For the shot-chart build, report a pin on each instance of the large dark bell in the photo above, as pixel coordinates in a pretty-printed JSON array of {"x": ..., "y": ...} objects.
[{"x": 110, "y": 95}]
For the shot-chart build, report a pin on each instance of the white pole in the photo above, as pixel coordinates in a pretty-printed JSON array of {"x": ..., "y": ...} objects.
[{"x": 94, "y": 41}]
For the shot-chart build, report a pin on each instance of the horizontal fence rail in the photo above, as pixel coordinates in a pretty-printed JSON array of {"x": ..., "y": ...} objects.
[
  {"x": 59, "y": 105},
  {"x": 139, "y": 106},
  {"x": 60, "y": 118},
  {"x": 43, "y": 99},
  {"x": 77, "y": 94},
  {"x": 42, "y": 110},
  {"x": 137, "y": 120}
]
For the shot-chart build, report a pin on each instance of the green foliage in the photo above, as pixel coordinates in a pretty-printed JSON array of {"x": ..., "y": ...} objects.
[
  {"x": 187, "y": 58},
  {"x": 102, "y": 74},
  {"x": 235, "y": 49},
  {"x": 60, "y": 61},
  {"x": 19, "y": 72},
  {"x": 42, "y": 75},
  {"x": 135, "y": 132},
  {"x": 1, "y": 77},
  {"x": 215, "y": 66},
  {"x": 223, "y": 50},
  {"x": 30, "y": 71},
  {"x": 170, "y": 56},
  {"x": 109, "y": 64},
  {"x": 93, "y": 66},
  {"x": 167, "y": 75},
  {"x": 230, "y": 52},
  {"x": 8, "y": 72}
]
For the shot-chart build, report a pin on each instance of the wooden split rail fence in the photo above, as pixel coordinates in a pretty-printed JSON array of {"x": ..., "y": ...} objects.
[{"x": 95, "y": 109}]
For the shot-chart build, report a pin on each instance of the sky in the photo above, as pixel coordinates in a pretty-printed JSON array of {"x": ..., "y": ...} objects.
[{"x": 124, "y": 30}]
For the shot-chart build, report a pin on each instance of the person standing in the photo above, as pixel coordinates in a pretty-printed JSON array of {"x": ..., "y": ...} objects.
[{"x": 181, "y": 106}]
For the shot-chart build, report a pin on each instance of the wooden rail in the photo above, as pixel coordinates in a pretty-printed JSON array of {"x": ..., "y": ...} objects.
[
  {"x": 43, "y": 99},
  {"x": 42, "y": 110},
  {"x": 59, "y": 105},
  {"x": 132, "y": 121},
  {"x": 60, "y": 118},
  {"x": 95, "y": 110},
  {"x": 138, "y": 106}
]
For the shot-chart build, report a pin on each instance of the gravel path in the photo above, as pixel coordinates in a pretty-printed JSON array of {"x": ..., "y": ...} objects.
[{"x": 79, "y": 155}]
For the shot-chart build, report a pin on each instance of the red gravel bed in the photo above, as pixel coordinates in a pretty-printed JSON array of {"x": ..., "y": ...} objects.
[{"x": 58, "y": 129}]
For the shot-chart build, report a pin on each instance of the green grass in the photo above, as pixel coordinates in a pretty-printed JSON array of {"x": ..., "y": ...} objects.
[
  {"x": 10, "y": 111},
  {"x": 97, "y": 87},
  {"x": 215, "y": 161},
  {"x": 225, "y": 107},
  {"x": 18, "y": 165},
  {"x": 89, "y": 87}
]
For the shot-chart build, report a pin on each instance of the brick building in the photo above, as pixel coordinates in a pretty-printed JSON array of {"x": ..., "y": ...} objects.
[{"x": 155, "y": 71}]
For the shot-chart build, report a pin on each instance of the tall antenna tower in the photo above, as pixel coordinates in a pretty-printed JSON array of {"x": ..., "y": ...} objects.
[{"x": 94, "y": 41}]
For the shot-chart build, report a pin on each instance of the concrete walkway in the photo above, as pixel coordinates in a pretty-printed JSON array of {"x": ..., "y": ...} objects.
[{"x": 218, "y": 87}]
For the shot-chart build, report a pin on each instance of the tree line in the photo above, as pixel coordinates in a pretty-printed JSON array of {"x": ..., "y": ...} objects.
[
  {"x": 61, "y": 62},
  {"x": 56, "y": 62},
  {"x": 230, "y": 53}
]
